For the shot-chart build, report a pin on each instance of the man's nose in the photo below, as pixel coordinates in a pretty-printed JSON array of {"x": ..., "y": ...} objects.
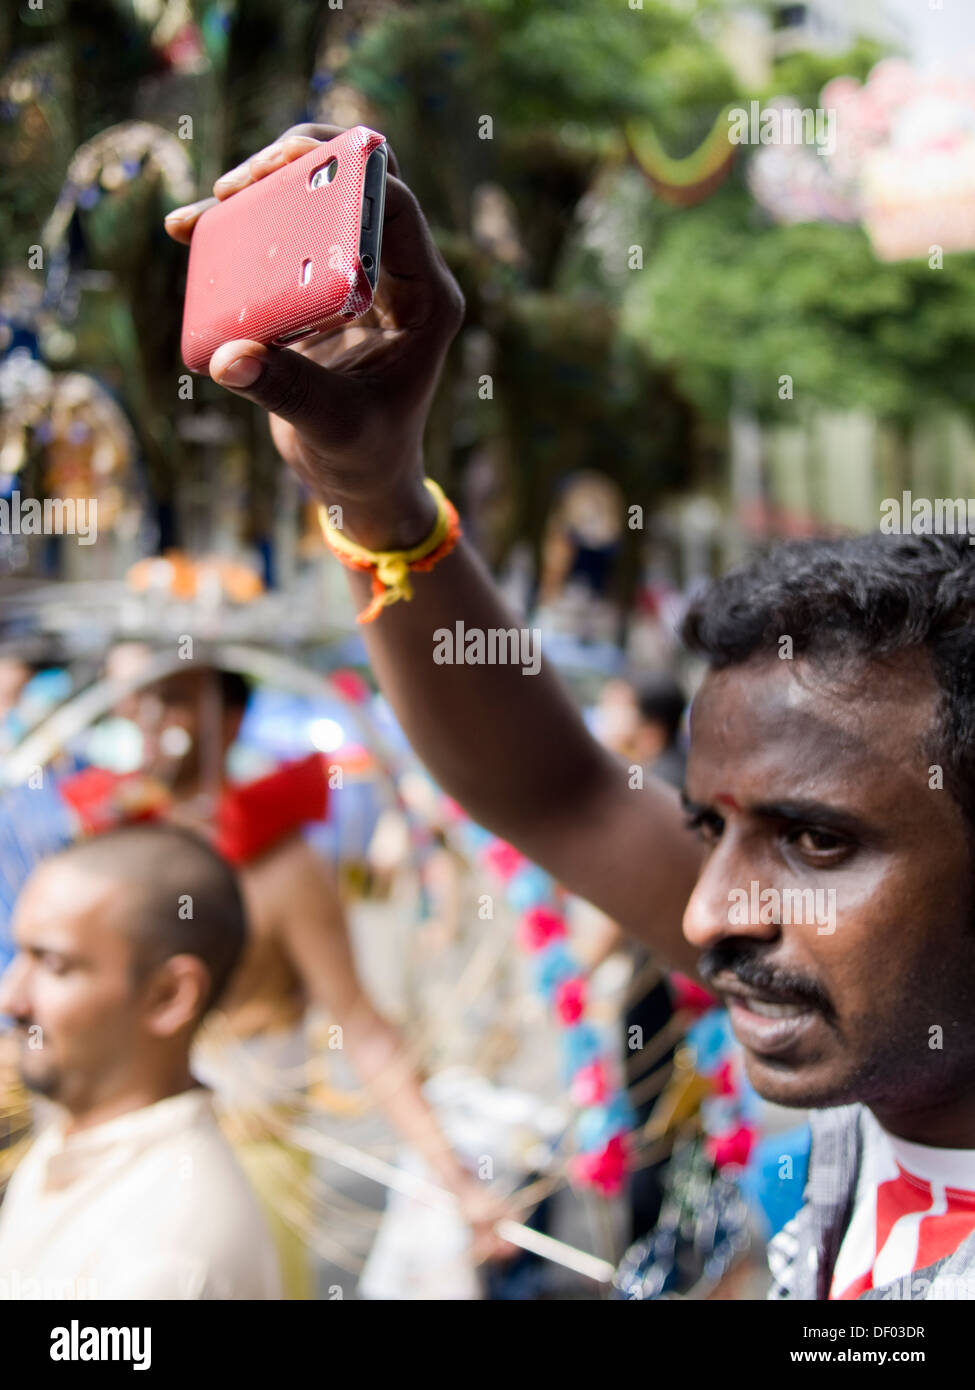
[
  {"x": 13, "y": 989},
  {"x": 727, "y": 901}
]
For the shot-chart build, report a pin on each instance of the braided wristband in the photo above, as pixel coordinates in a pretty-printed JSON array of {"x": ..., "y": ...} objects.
[{"x": 391, "y": 568}]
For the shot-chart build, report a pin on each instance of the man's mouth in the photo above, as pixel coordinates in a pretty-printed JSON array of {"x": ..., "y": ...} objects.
[
  {"x": 734, "y": 988},
  {"x": 765, "y": 1022},
  {"x": 766, "y": 1010}
]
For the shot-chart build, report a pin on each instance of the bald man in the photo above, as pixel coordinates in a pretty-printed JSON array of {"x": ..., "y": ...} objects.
[
  {"x": 123, "y": 943},
  {"x": 299, "y": 953}
]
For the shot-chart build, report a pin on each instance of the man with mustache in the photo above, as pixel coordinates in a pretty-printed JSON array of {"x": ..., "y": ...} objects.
[{"x": 832, "y": 747}]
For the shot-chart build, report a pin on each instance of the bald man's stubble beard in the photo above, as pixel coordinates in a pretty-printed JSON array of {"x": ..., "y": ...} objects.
[{"x": 46, "y": 1083}]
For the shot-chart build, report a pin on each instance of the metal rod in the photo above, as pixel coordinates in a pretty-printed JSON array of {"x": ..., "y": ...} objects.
[{"x": 422, "y": 1190}]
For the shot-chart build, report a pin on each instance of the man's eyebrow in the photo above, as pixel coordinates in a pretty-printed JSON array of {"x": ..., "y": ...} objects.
[
  {"x": 43, "y": 948},
  {"x": 802, "y": 812},
  {"x": 818, "y": 812}
]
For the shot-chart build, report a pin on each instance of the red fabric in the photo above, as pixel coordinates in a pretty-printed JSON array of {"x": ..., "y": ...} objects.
[
  {"x": 859, "y": 1286},
  {"x": 101, "y": 799},
  {"x": 937, "y": 1236},
  {"x": 941, "y": 1235},
  {"x": 255, "y": 817},
  {"x": 250, "y": 819},
  {"x": 899, "y": 1198}
]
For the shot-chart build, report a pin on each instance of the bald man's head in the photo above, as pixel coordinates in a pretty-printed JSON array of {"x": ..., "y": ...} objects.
[
  {"x": 123, "y": 943},
  {"x": 175, "y": 896}
]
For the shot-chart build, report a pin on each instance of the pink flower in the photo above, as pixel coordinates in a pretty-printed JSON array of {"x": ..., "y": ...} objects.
[
  {"x": 733, "y": 1147},
  {"x": 688, "y": 995},
  {"x": 503, "y": 859},
  {"x": 724, "y": 1081},
  {"x": 351, "y": 685},
  {"x": 590, "y": 1085},
  {"x": 538, "y": 927},
  {"x": 605, "y": 1170},
  {"x": 570, "y": 1000}
]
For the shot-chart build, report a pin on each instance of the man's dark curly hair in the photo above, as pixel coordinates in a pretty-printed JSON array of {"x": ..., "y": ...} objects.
[{"x": 856, "y": 599}]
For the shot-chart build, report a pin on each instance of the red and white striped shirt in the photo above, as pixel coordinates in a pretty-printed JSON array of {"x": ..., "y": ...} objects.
[{"x": 914, "y": 1205}]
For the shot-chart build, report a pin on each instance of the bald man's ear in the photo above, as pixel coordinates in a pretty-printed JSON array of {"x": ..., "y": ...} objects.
[
  {"x": 176, "y": 996},
  {"x": 232, "y": 721}
]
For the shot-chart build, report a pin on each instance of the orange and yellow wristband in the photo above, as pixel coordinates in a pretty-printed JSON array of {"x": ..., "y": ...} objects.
[{"x": 391, "y": 568}]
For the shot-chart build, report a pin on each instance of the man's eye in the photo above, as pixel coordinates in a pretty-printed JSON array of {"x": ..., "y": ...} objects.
[
  {"x": 706, "y": 825},
  {"x": 57, "y": 965},
  {"x": 820, "y": 844}
]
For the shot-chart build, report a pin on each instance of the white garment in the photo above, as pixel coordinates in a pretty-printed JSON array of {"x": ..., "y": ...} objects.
[
  {"x": 256, "y": 1071},
  {"x": 914, "y": 1204},
  {"x": 150, "y": 1205},
  {"x": 422, "y": 1252}
]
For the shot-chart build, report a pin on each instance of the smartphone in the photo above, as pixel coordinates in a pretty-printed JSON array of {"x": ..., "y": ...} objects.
[{"x": 291, "y": 254}]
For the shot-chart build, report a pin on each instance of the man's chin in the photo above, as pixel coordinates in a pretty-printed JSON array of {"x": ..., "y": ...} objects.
[
  {"x": 808, "y": 1086},
  {"x": 41, "y": 1083}
]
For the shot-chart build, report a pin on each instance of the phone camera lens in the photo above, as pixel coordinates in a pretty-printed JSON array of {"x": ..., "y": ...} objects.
[{"x": 325, "y": 174}]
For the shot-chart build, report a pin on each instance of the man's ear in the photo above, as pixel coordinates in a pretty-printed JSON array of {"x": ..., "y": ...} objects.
[
  {"x": 232, "y": 720},
  {"x": 176, "y": 996}
]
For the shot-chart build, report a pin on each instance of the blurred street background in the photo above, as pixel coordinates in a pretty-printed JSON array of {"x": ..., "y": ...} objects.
[{"x": 679, "y": 347}]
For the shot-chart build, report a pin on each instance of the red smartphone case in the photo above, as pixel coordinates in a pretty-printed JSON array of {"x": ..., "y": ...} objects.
[{"x": 280, "y": 259}]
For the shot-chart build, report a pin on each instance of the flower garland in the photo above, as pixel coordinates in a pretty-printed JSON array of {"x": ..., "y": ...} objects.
[
  {"x": 769, "y": 1169},
  {"x": 730, "y": 1114},
  {"x": 605, "y": 1119}
]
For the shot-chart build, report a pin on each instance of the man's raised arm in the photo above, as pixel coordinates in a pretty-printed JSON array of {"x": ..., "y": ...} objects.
[
  {"x": 348, "y": 412},
  {"x": 513, "y": 750}
]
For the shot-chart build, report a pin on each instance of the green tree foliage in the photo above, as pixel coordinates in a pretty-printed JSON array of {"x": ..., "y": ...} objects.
[
  {"x": 558, "y": 80},
  {"x": 733, "y": 302}
]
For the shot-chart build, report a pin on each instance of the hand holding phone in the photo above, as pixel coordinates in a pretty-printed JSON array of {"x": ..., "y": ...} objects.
[
  {"x": 290, "y": 255},
  {"x": 348, "y": 407}
]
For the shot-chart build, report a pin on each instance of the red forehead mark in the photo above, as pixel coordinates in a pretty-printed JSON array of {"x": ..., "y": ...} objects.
[{"x": 726, "y": 799}]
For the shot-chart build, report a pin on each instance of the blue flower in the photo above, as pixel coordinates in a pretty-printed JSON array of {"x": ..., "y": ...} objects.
[
  {"x": 582, "y": 1047},
  {"x": 553, "y": 965},
  {"x": 475, "y": 837},
  {"x": 596, "y": 1126},
  {"x": 711, "y": 1038},
  {"x": 529, "y": 887}
]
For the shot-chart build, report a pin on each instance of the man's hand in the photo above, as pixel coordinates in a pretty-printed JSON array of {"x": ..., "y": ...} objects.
[
  {"x": 348, "y": 408},
  {"x": 482, "y": 1209}
]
